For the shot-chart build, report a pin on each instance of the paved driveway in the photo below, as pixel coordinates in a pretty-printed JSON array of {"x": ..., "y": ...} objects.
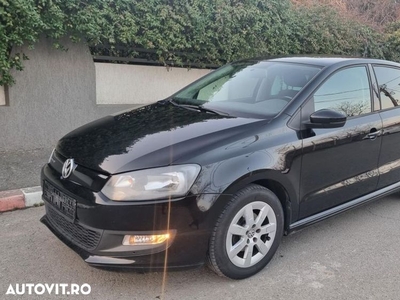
[{"x": 352, "y": 256}]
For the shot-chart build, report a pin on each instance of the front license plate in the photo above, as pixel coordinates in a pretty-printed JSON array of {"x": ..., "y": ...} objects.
[{"x": 62, "y": 202}]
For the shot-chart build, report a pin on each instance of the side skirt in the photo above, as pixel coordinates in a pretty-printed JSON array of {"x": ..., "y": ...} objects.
[{"x": 344, "y": 207}]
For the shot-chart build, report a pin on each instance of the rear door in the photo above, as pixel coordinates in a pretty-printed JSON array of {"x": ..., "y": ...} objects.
[
  {"x": 340, "y": 164},
  {"x": 388, "y": 78}
]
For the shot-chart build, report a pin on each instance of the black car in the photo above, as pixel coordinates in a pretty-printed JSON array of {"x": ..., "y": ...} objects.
[{"x": 222, "y": 169}]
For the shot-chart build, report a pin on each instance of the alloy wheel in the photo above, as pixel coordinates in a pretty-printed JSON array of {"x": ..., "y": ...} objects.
[{"x": 251, "y": 234}]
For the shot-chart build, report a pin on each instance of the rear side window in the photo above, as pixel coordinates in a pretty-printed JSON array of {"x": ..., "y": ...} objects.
[
  {"x": 346, "y": 91},
  {"x": 389, "y": 85}
]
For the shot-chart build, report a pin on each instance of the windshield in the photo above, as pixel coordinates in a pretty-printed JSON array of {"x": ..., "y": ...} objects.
[{"x": 257, "y": 89}]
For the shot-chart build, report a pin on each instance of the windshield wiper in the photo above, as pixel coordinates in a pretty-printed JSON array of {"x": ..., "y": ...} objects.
[{"x": 199, "y": 108}]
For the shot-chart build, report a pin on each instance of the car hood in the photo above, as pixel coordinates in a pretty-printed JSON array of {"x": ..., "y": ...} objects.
[{"x": 150, "y": 136}]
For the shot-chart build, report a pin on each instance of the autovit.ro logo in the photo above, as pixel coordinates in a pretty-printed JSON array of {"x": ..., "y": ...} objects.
[{"x": 49, "y": 289}]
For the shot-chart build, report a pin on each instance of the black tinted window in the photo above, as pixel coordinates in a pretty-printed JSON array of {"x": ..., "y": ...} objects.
[
  {"x": 346, "y": 91},
  {"x": 389, "y": 86}
]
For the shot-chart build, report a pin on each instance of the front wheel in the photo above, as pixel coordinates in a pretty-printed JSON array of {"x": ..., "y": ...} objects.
[{"x": 247, "y": 233}]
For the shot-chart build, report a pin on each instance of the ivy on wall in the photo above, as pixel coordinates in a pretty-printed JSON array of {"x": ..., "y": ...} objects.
[{"x": 185, "y": 31}]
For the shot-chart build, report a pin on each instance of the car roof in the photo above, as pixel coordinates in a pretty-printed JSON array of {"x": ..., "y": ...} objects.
[{"x": 325, "y": 61}]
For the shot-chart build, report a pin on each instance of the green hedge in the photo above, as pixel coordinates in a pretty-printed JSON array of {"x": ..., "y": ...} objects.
[
  {"x": 322, "y": 30},
  {"x": 206, "y": 31}
]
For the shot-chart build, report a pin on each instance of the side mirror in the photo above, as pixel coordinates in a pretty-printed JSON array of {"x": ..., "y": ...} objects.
[{"x": 326, "y": 118}]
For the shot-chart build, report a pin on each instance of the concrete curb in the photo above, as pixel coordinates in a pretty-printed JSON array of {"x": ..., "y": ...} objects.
[{"x": 21, "y": 198}]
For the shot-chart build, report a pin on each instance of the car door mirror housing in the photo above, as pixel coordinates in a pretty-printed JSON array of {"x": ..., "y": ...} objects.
[{"x": 326, "y": 118}]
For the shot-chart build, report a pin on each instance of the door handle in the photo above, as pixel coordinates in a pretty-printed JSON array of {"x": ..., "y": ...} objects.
[{"x": 373, "y": 134}]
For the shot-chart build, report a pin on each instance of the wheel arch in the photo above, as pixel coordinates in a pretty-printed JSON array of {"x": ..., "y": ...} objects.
[
  {"x": 280, "y": 191},
  {"x": 273, "y": 180}
]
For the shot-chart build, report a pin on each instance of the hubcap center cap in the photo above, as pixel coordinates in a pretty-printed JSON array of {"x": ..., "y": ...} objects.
[{"x": 250, "y": 234}]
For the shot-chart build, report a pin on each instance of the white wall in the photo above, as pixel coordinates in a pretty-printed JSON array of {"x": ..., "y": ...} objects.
[
  {"x": 133, "y": 84},
  {"x": 2, "y": 96}
]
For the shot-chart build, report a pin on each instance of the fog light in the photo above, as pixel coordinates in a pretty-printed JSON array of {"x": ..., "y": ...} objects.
[{"x": 145, "y": 239}]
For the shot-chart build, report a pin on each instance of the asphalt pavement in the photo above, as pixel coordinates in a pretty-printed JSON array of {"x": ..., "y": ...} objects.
[{"x": 352, "y": 256}]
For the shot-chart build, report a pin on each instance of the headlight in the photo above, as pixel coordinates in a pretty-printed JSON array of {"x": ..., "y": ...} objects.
[{"x": 150, "y": 184}]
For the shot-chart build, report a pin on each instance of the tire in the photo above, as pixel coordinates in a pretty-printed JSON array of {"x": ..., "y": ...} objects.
[{"x": 247, "y": 233}]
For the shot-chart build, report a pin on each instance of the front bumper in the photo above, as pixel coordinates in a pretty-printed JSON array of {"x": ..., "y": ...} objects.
[
  {"x": 97, "y": 232},
  {"x": 144, "y": 262}
]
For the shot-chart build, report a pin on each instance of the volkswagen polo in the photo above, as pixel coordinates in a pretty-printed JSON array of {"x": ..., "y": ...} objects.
[{"x": 222, "y": 169}]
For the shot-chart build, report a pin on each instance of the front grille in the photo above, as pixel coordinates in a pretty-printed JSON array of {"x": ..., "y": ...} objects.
[{"x": 79, "y": 235}]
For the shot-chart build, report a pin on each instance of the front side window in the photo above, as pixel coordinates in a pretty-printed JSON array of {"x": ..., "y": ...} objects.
[
  {"x": 389, "y": 86},
  {"x": 249, "y": 88},
  {"x": 346, "y": 91}
]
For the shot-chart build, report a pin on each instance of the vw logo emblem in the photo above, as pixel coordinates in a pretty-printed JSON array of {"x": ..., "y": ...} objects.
[{"x": 68, "y": 167}]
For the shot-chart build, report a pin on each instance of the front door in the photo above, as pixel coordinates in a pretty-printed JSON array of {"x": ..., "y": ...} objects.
[{"x": 340, "y": 164}]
